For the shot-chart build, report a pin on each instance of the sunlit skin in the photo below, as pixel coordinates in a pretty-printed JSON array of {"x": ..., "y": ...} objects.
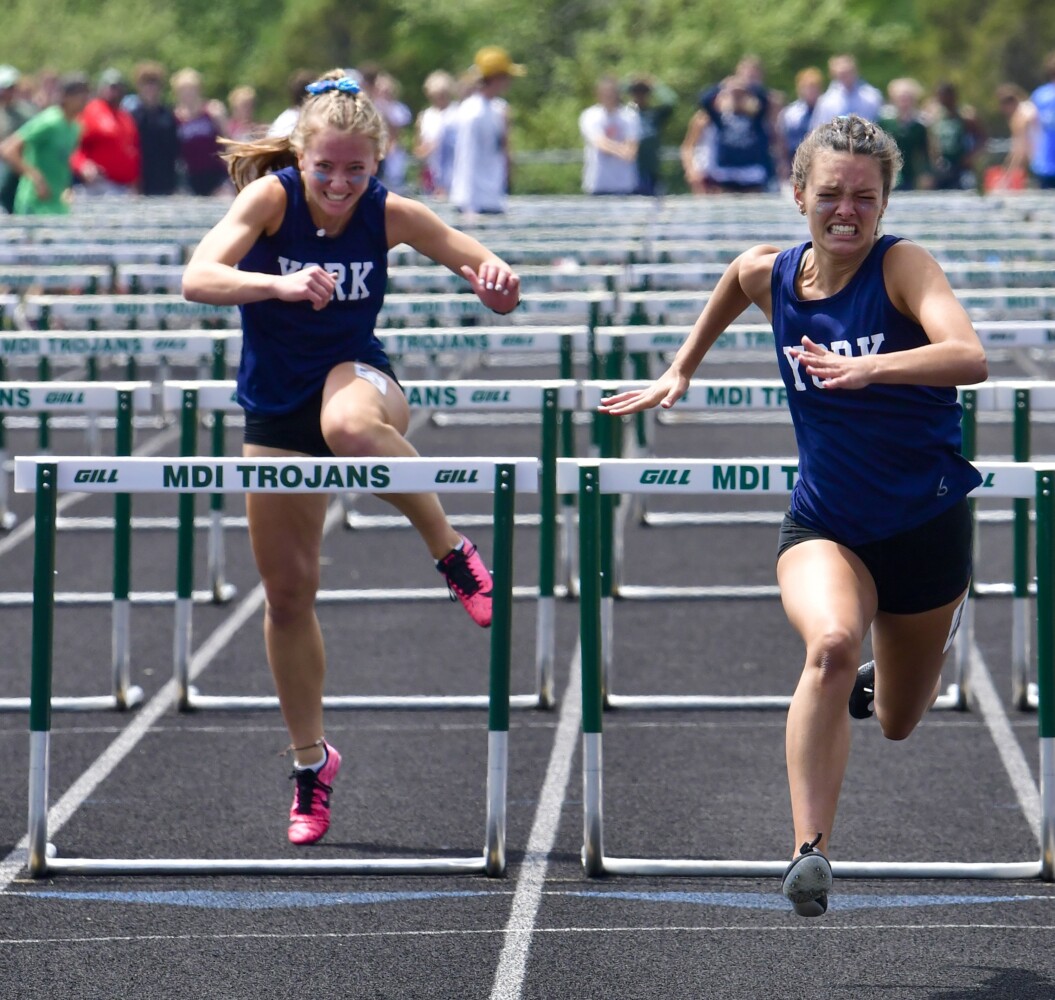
[
  {"x": 843, "y": 202},
  {"x": 336, "y": 167}
]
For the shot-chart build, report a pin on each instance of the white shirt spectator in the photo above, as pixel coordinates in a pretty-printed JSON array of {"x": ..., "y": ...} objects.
[
  {"x": 436, "y": 129},
  {"x": 860, "y": 99},
  {"x": 603, "y": 172},
  {"x": 479, "y": 178},
  {"x": 284, "y": 123}
]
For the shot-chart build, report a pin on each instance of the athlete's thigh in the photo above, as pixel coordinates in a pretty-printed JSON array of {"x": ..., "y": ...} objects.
[
  {"x": 910, "y": 649},
  {"x": 825, "y": 588},
  {"x": 285, "y": 529},
  {"x": 356, "y": 390}
]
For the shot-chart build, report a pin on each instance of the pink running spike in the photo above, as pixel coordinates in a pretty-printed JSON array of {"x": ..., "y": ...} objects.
[
  {"x": 468, "y": 581},
  {"x": 309, "y": 816}
]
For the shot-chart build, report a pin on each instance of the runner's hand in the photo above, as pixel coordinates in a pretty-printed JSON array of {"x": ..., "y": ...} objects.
[
  {"x": 312, "y": 284},
  {"x": 495, "y": 286},
  {"x": 664, "y": 392}
]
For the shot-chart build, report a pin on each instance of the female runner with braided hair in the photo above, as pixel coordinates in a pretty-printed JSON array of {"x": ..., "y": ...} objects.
[
  {"x": 303, "y": 252},
  {"x": 871, "y": 343}
]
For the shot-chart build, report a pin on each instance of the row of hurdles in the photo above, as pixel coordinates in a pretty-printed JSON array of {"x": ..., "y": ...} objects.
[
  {"x": 157, "y": 278},
  {"x": 554, "y": 404},
  {"x": 505, "y": 479},
  {"x": 97, "y": 313}
]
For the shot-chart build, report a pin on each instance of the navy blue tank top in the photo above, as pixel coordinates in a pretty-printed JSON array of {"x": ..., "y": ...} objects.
[
  {"x": 877, "y": 461},
  {"x": 288, "y": 348}
]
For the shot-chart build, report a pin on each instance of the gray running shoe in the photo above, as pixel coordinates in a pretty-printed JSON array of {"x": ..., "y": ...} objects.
[{"x": 807, "y": 881}]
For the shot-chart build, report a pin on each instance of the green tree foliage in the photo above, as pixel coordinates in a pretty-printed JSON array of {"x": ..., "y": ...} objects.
[{"x": 565, "y": 44}]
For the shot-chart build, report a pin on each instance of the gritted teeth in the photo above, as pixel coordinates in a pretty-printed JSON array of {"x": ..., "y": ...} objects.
[{"x": 842, "y": 230}]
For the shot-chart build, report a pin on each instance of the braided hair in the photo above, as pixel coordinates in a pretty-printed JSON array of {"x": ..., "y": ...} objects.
[{"x": 848, "y": 134}]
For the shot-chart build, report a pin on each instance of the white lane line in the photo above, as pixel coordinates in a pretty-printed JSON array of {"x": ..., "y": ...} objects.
[
  {"x": 162, "y": 703},
  {"x": 1007, "y": 746},
  {"x": 512, "y": 963},
  {"x": 811, "y": 928},
  {"x": 103, "y": 766}
]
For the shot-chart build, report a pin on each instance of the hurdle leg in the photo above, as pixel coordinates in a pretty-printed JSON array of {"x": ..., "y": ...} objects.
[
  {"x": 7, "y": 516},
  {"x": 222, "y": 591},
  {"x": 545, "y": 624},
  {"x": 182, "y": 630},
  {"x": 44, "y": 538},
  {"x": 1045, "y": 558},
  {"x": 955, "y": 694},
  {"x": 567, "y": 520},
  {"x": 8, "y": 519},
  {"x": 644, "y": 434},
  {"x": 590, "y": 655},
  {"x": 501, "y": 646},
  {"x": 1023, "y": 693},
  {"x": 125, "y": 695}
]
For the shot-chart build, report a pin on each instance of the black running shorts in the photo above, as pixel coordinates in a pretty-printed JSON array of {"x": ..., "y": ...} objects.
[
  {"x": 299, "y": 430},
  {"x": 918, "y": 570}
]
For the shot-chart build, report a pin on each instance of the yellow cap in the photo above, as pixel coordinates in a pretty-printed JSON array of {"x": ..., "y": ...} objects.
[{"x": 494, "y": 61}]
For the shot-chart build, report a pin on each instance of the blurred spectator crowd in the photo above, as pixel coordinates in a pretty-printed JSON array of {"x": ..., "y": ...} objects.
[{"x": 64, "y": 136}]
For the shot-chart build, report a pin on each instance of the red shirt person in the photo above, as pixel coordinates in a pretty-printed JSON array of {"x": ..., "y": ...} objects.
[{"x": 108, "y": 158}]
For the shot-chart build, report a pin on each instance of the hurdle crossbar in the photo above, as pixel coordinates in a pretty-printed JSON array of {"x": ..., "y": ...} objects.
[
  {"x": 47, "y": 477},
  {"x": 597, "y": 479}
]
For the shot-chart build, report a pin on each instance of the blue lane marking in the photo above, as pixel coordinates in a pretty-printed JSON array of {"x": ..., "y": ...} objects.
[
  {"x": 248, "y": 900},
  {"x": 211, "y": 900},
  {"x": 774, "y": 901}
]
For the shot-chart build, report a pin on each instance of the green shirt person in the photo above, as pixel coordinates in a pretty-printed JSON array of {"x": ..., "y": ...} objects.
[
  {"x": 40, "y": 151},
  {"x": 655, "y": 104},
  {"x": 901, "y": 119}
]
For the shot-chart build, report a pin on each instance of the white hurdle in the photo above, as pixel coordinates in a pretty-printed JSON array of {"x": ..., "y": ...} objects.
[
  {"x": 1018, "y": 399},
  {"x": 595, "y": 480},
  {"x": 504, "y": 478}
]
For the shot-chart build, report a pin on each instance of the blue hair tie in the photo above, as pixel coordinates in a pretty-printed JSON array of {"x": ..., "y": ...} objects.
[{"x": 346, "y": 85}]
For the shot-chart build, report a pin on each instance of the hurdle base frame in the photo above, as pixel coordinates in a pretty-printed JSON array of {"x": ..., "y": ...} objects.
[
  {"x": 195, "y": 701},
  {"x": 543, "y": 698},
  {"x": 131, "y": 697},
  {"x": 953, "y": 699},
  {"x": 45, "y": 478},
  {"x": 264, "y": 866},
  {"x": 595, "y": 638},
  {"x": 840, "y": 869}
]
